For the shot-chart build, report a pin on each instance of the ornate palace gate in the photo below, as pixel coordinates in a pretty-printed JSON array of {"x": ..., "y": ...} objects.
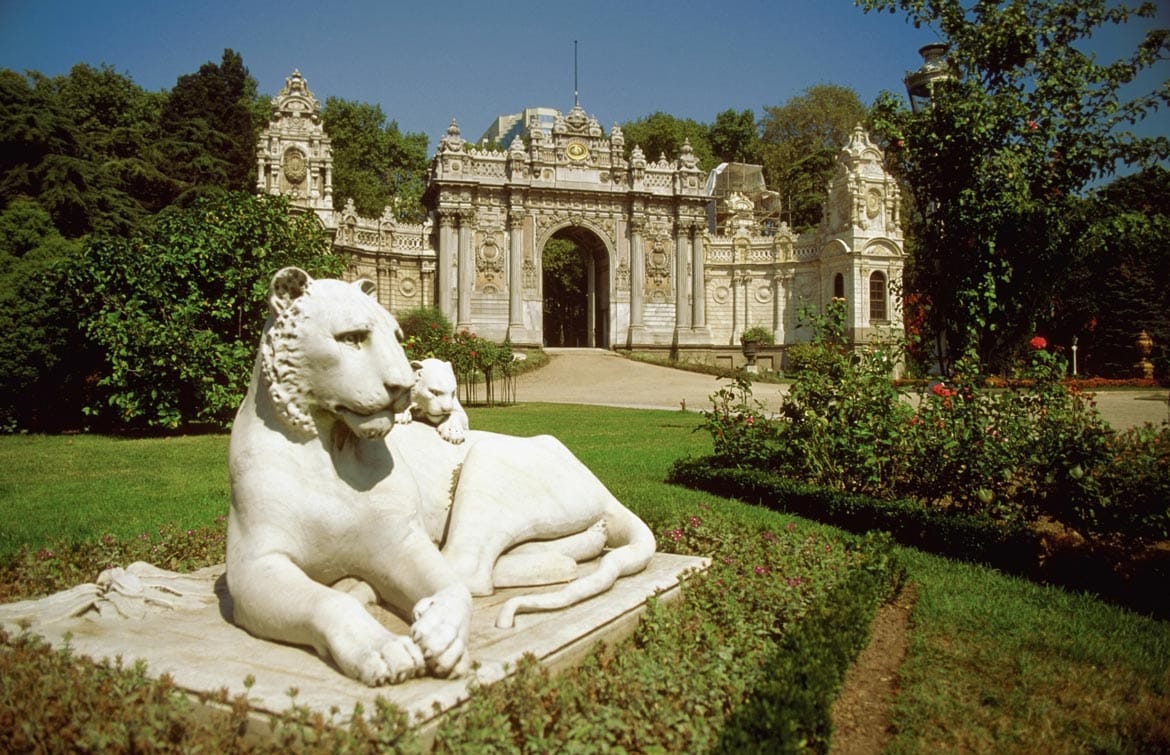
[
  {"x": 640, "y": 223},
  {"x": 675, "y": 259}
]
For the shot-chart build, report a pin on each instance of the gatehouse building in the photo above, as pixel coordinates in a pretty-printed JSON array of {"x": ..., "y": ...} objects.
[{"x": 675, "y": 260}]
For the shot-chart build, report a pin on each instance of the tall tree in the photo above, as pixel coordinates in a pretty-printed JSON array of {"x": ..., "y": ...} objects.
[
  {"x": 374, "y": 163},
  {"x": 177, "y": 309},
  {"x": 42, "y": 154},
  {"x": 735, "y": 137},
  {"x": 662, "y": 135},
  {"x": 1028, "y": 119},
  {"x": 801, "y": 139},
  {"x": 208, "y": 131}
]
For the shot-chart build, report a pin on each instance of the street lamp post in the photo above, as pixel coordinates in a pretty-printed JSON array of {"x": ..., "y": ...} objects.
[{"x": 920, "y": 83}]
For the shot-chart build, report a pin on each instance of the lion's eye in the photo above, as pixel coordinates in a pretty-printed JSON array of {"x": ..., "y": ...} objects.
[{"x": 354, "y": 338}]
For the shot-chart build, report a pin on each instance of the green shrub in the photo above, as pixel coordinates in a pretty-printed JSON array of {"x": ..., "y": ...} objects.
[
  {"x": 757, "y": 334},
  {"x": 1038, "y": 450},
  {"x": 751, "y": 655},
  {"x": 427, "y": 333}
]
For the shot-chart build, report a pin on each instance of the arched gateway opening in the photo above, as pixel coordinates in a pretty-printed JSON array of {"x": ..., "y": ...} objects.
[{"x": 575, "y": 290}]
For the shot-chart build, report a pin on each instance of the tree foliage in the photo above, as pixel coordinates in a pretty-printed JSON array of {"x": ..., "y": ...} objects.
[
  {"x": 800, "y": 142},
  {"x": 995, "y": 163},
  {"x": 563, "y": 266},
  {"x": 208, "y": 133},
  {"x": 374, "y": 163},
  {"x": 662, "y": 136},
  {"x": 177, "y": 308},
  {"x": 735, "y": 137},
  {"x": 1123, "y": 286},
  {"x": 43, "y": 360}
]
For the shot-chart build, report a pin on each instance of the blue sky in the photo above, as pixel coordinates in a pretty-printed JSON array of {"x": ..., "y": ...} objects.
[{"x": 428, "y": 62}]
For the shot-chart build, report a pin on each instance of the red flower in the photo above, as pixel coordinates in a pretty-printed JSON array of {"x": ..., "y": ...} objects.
[
  {"x": 1039, "y": 343},
  {"x": 941, "y": 390},
  {"x": 1033, "y": 125}
]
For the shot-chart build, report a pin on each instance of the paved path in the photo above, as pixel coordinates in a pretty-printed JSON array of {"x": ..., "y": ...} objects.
[{"x": 596, "y": 376}]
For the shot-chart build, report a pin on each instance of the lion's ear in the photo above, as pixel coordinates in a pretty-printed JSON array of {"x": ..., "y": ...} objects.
[
  {"x": 367, "y": 287},
  {"x": 416, "y": 364},
  {"x": 288, "y": 285}
]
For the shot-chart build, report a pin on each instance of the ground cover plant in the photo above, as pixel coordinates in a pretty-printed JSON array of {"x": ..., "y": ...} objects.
[{"x": 1043, "y": 671}]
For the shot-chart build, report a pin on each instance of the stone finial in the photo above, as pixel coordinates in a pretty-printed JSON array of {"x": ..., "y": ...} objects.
[
  {"x": 453, "y": 141},
  {"x": 686, "y": 158}
]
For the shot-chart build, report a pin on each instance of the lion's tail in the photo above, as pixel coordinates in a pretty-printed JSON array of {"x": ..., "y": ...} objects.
[{"x": 633, "y": 552}]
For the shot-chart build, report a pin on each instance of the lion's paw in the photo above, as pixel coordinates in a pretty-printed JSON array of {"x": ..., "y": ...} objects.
[
  {"x": 397, "y": 660},
  {"x": 452, "y": 431},
  {"x": 442, "y": 624},
  {"x": 406, "y": 417}
]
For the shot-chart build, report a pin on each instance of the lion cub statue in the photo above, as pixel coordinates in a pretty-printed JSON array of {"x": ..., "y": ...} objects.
[
  {"x": 433, "y": 400},
  {"x": 326, "y": 485}
]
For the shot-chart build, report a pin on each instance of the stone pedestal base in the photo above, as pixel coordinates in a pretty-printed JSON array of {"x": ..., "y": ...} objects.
[{"x": 203, "y": 651}]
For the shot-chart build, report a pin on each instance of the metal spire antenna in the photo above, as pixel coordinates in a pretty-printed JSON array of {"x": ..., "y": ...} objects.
[{"x": 576, "y": 101}]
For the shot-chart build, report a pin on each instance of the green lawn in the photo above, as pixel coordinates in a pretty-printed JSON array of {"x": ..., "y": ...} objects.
[
  {"x": 78, "y": 487},
  {"x": 995, "y": 664}
]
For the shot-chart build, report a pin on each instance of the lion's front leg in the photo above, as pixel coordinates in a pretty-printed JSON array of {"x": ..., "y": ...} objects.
[{"x": 273, "y": 598}]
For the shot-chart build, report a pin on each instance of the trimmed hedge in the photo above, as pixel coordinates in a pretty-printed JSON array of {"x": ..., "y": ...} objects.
[
  {"x": 966, "y": 536},
  {"x": 1010, "y": 546}
]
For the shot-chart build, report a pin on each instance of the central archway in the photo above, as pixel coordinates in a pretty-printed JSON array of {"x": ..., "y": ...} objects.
[{"x": 575, "y": 289}]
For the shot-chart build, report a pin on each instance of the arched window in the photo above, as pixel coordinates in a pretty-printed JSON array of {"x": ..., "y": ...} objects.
[
  {"x": 877, "y": 296},
  {"x": 839, "y": 286}
]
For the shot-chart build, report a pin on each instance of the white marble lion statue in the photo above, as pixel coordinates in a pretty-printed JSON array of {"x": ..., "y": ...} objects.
[
  {"x": 323, "y": 490},
  {"x": 433, "y": 400}
]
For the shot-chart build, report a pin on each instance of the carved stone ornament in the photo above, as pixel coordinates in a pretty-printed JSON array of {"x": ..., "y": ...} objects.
[{"x": 294, "y": 166}]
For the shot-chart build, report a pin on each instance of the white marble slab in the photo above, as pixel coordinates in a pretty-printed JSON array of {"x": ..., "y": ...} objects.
[{"x": 203, "y": 651}]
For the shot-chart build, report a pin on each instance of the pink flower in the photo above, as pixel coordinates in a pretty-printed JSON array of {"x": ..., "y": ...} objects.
[
  {"x": 1039, "y": 343},
  {"x": 769, "y": 536},
  {"x": 1033, "y": 125},
  {"x": 750, "y": 421},
  {"x": 675, "y": 535},
  {"x": 695, "y": 521},
  {"x": 761, "y": 570}
]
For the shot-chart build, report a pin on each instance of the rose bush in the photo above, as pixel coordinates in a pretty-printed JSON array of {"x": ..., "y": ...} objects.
[{"x": 1036, "y": 450}]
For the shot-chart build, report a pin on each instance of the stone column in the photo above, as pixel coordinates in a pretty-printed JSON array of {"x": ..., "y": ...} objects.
[
  {"x": 466, "y": 275},
  {"x": 637, "y": 274},
  {"x": 447, "y": 244},
  {"x": 681, "y": 257},
  {"x": 698, "y": 280},
  {"x": 515, "y": 270}
]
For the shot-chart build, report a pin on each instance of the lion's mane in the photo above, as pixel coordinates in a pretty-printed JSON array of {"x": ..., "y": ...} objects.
[{"x": 282, "y": 363}]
